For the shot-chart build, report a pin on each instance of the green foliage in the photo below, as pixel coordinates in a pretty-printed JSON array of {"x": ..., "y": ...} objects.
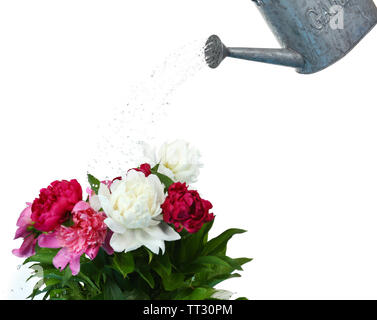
[
  {"x": 165, "y": 180},
  {"x": 188, "y": 270},
  {"x": 124, "y": 263},
  {"x": 94, "y": 183}
]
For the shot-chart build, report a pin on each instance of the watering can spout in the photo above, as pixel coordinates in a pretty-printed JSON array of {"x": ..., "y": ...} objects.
[{"x": 216, "y": 52}]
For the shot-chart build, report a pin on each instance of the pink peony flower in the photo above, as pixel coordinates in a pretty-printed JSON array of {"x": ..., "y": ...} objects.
[
  {"x": 27, "y": 248},
  {"x": 54, "y": 204},
  {"x": 87, "y": 235},
  {"x": 185, "y": 208}
]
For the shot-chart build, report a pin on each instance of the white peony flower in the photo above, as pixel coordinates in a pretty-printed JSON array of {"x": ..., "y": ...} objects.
[
  {"x": 222, "y": 295},
  {"x": 178, "y": 160},
  {"x": 133, "y": 210}
]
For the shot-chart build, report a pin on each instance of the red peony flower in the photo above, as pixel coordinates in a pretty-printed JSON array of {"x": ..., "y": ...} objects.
[
  {"x": 185, "y": 209},
  {"x": 54, "y": 204},
  {"x": 144, "y": 168}
]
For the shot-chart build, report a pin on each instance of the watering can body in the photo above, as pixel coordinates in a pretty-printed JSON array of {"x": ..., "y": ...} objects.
[
  {"x": 313, "y": 33},
  {"x": 307, "y": 27}
]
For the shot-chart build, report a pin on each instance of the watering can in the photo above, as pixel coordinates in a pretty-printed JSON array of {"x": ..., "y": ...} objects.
[{"x": 313, "y": 33}]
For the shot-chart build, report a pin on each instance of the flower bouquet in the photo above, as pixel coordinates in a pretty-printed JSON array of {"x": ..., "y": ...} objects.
[{"x": 140, "y": 236}]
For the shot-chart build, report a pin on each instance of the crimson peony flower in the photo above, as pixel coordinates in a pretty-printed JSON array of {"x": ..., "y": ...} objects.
[
  {"x": 185, "y": 209},
  {"x": 54, "y": 204},
  {"x": 87, "y": 235},
  {"x": 144, "y": 168}
]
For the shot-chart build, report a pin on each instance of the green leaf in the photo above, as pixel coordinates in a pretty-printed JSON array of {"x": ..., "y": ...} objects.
[
  {"x": 94, "y": 183},
  {"x": 90, "y": 270},
  {"x": 135, "y": 294},
  {"x": 217, "y": 245},
  {"x": 38, "y": 292},
  {"x": 68, "y": 223},
  {"x": 98, "y": 297},
  {"x": 165, "y": 180},
  {"x": 112, "y": 291},
  {"x": 52, "y": 276},
  {"x": 190, "y": 246},
  {"x": 75, "y": 291},
  {"x": 170, "y": 281},
  {"x": 146, "y": 275},
  {"x": 196, "y": 294},
  {"x": 57, "y": 294},
  {"x": 174, "y": 281},
  {"x": 124, "y": 263},
  {"x": 164, "y": 263},
  {"x": 67, "y": 275},
  {"x": 212, "y": 260},
  {"x": 203, "y": 232},
  {"x": 218, "y": 279},
  {"x": 150, "y": 254},
  {"x": 42, "y": 255},
  {"x": 155, "y": 168},
  {"x": 236, "y": 263},
  {"x": 83, "y": 277}
]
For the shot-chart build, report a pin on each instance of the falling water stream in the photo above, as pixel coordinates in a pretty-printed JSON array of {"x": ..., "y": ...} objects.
[{"x": 119, "y": 138}]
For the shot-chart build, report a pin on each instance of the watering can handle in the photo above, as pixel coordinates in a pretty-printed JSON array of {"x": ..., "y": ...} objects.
[{"x": 258, "y": 2}]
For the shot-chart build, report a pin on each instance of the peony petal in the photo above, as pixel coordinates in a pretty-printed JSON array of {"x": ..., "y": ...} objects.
[
  {"x": 115, "y": 185},
  {"x": 104, "y": 190},
  {"x": 106, "y": 244},
  {"x": 125, "y": 242},
  {"x": 92, "y": 252},
  {"x": 149, "y": 153},
  {"x": 153, "y": 237},
  {"x": 27, "y": 248},
  {"x": 163, "y": 232},
  {"x": 25, "y": 216},
  {"x": 75, "y": 264},
  {"x": 114, "y": 226},
  {"x": 150, "y": 242},
  {"x": 166, "y": 171},
  {"x": 105, "y": 205},
  {"x": 62, "y": 258},
  {"x": 94, "y": 202},
  {"x": 23, "y": 222},
  {"x": 21, "y": 232},
  {"x": 222, "y": 295},
  {"x": 81, "y": 206},
  {"x": 49, "y": 241}
]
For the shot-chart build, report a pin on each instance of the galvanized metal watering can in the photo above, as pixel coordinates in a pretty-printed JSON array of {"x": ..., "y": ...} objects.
[{"x": 313, "y": 33}]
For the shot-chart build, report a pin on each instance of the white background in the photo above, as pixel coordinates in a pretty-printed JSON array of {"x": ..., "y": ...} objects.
[{"x": 290, "y": 158}]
